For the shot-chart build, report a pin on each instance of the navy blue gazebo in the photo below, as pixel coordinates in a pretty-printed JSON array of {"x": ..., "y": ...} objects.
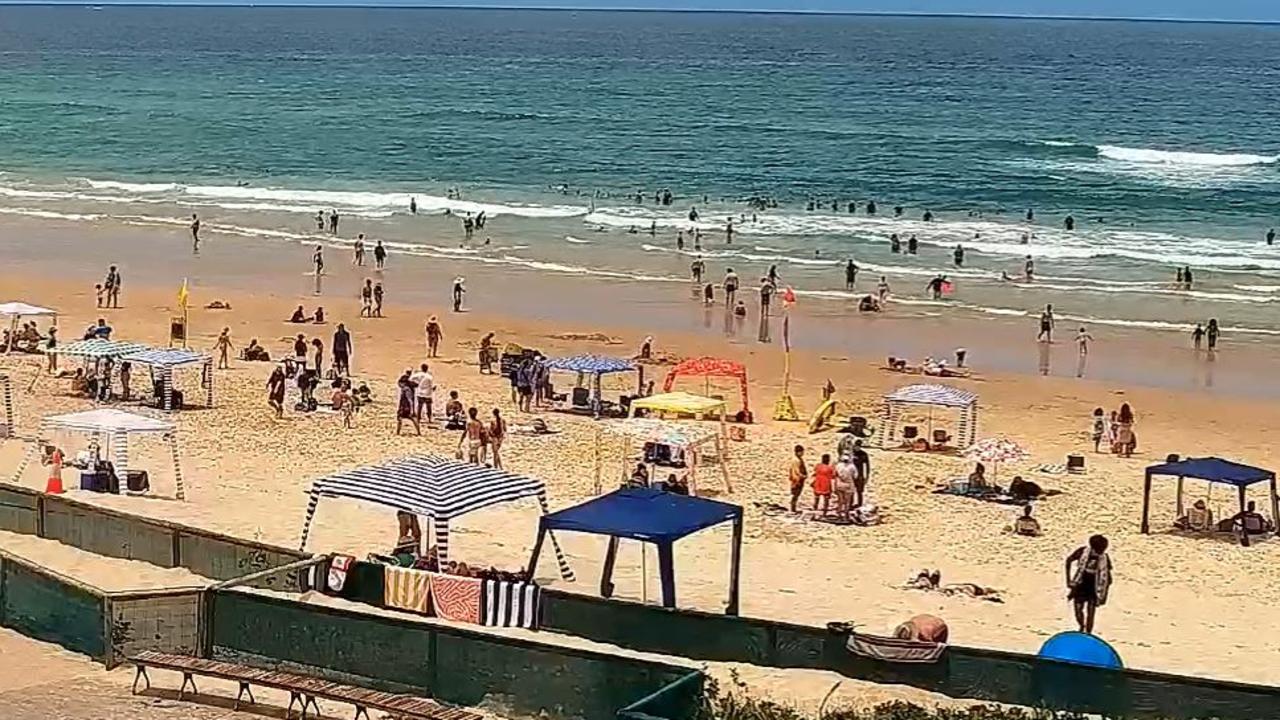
[
  {"x": 1215, "y": 470},
  {"x": 648, "y": 515}
]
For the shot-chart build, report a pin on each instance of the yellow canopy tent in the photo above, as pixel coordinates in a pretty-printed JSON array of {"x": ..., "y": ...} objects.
[{"x": 682, "y": 403}]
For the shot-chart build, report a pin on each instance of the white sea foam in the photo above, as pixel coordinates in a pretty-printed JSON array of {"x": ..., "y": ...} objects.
[
  {"x": 131, "y": 187},
  {"x": 49, "y": 214},
  {"x": 576, "y": 241},
  {"x": 352, "y": 201},
  {"x": 1174, "y": 157}
]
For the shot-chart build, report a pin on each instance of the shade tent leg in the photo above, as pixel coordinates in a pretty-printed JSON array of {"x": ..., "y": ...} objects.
[
  {"x": 1146, "y": 504},
  {"x": 120, "y": 454},
  {"x": 735, "y": 568},
  {"x": 1178, "y": 503},
  {"x": 537, "y": 551},
  {"x": 166, "y": 387},
  {"x": 566, "y": 572},
  {"x": 1275, "y": 505},
  {"x": 667, "y": 574},
  {"x": 177, "y": 466},
  {"x": 442, "y": 539},
  {"x": 208, "y": 383},
  {"x": 1244, "y": 531},
  {"x": 27, "y": 457},
  {"x": 8, "y": 407},
  {"x": 606, "y": 574},
  {"x": 312, "y": 502}
]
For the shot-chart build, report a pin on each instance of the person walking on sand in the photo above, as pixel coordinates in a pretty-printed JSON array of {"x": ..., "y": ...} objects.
[
  {"x": 497, "y": 433},
  {"x": 379, "y": 255},
  {"x": 377, "y": 300},
  {"x": 1083, "y": 338},
  {"x": 797, "y": 474},
  {"x": 275, "y": 391},
  {"x": 1046, "y": 325},
  {"x": 697, "y": 268},
  {"x": 434, "y": 334},
  {"x": 223, "y": 346},
  {"x": 1098, "y": 429},
  {"x": 1089, "y": 582},
  {"x": 195, "y": 234},
  {"x": 1212, "y": 332},
  {"x": 359, "y": 250},
  {"x": 366, "y": 299},
  {"x": 473, "y": 436},
  {"x": 424, "y": 390},
  {"x": 404, "y": 404},
  {"x": 342, "y": 351},
  {"x": 112, "y": 285},
  {"x": 458, "y": 291},
  {"x": 1197, "y": 336},
  {"x": 317, "y": 259}
]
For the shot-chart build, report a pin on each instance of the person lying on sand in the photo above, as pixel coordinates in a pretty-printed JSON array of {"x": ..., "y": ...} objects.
[
  {"x": 932, "y": 582},
  {"x": 218, "y": 305}
]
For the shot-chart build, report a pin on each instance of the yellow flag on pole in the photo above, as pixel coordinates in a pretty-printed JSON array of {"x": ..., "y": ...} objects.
[{"x": 183, "y": 295}]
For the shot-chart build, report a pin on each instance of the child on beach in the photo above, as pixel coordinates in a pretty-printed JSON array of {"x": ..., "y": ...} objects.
[
  {"x": 101, "y": 296},
  {"x": 797, "y": 474},
  {"x": 823, "y": 482},
  {"x": 1099, "y": 429},
  {"x": 434, "y": 334}
]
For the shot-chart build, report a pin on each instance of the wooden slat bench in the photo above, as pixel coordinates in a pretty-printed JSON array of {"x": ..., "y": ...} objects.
[{"x": 302, "y": 689}]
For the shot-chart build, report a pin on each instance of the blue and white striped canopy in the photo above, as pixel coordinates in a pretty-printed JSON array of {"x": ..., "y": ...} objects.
[
  {"x": 98, "y": 348},
  {"x": 595, "y": 364},
  {"x": 166, "y": 357},
  {"x": 429, "y": 485},
  {"x": 943, "y": 395}
]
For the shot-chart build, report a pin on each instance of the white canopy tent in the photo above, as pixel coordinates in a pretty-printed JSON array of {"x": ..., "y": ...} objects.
[
  {"x": 114, "y": 427},
  {"x": 688, "y": 437},
  {"x": 930, "y": 396},
  {"x": 163, "y": 361},
  {"x": 15, "y": 311}
]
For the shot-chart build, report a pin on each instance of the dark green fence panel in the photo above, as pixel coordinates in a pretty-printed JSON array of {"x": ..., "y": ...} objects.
[
  {"x": 223, "y": 558},
  {"x": 105, "y": 532},
  {"x": 647, "y": 627},
  {"x": 680, "y": 700},
  {"x": 47, "y": 608},
  {"x": 19, "y": 511},
  {"x": 378, "y": 652}
]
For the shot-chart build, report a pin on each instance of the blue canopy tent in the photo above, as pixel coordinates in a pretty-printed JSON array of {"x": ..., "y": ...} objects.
[
  {"x": 595, "y": 365},
  {"x": 648, "y": 515},
  {"x": 1215, "y": 470}
]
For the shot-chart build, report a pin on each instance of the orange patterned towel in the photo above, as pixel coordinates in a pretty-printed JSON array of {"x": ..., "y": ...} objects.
[{"x": 456, "y": 598}]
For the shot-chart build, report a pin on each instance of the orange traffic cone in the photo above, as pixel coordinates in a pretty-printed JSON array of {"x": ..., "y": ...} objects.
[{"x": 54, "y": 486}]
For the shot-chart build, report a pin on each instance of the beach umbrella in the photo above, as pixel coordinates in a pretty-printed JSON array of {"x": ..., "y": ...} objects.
[{"x": 995, "y": 451}]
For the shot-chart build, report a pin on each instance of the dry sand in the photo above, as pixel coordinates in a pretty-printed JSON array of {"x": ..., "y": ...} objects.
[
  {"x": 248, "y": 473},
  {"x": 103, "y": 573}
]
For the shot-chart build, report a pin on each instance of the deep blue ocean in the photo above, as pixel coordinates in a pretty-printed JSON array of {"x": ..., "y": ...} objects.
[{"x": 1160, "y": 139}]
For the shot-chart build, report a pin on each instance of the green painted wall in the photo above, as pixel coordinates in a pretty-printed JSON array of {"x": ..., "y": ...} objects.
[{"x": 47, "y": 609}]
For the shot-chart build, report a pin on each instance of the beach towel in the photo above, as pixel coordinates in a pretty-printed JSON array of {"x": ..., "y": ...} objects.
[
  {"x": 406, "y": 589},
  {"x": 456, "y": 598},
  {"x": 510, "y": 604},
  {"x": 891, "y": 649},
  {"x": 338, "y": 568}
]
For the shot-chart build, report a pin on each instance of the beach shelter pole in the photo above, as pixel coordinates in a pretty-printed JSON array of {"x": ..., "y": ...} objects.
[
  {"x": 1181, "y": 482},
  {"x": 1146, "y": 504},
  {"x": 598, "y": 458},
  {"x": 177, "y": 466},
  {"x": 735, "y": 568},
  {"x": 667, "y": 574},
  {"x": 8, "y": 406},
  {"x": 1275, "y": 504},
  {"x": 120, "y": 453},
  {"x": 606, "y": 574}
]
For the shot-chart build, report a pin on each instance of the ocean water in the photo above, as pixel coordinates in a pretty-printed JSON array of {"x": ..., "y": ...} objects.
[{"x": 1159, "y": 139}]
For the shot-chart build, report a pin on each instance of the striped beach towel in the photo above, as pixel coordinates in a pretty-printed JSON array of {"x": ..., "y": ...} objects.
[
  {"x": 406, "y": 589},
  {"x": 456, "y": 598},
  {"x": 511, "y": 604}
]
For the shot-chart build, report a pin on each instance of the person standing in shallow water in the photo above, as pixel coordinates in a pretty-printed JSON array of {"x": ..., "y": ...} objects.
[{"x": 195, "y": 234}]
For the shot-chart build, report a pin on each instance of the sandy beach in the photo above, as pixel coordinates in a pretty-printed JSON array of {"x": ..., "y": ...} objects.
[{"x": 247, "y": 472}]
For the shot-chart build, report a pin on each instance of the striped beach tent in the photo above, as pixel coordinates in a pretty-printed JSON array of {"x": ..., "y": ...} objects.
[
  {"x": 433, "y": 486},
  {"x": 163, "y": 361},
  {"x": 930, "y": 396},
  {"x": 98, "y": 348},
  {"x": 591, "y": 364}
]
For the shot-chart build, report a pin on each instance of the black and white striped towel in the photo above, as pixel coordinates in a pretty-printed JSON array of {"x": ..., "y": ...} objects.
[{"x": 510, "y": 604}]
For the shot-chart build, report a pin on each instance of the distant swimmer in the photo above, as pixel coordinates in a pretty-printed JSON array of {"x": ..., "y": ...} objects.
[
  {"x": 697, "y": 268},
  {"x": 195, "y": 234},
  {"x": 913, "y": 245},
  {"x": 850, "y": 275},
  {"x": 959, "y": 256},
  {"x": 835, "y": 206},
  {"x": 1186, "y": 277},
  {"x": 693, "y": 214},
  {"x": 895, "y": 245},
  {"x": 728, "y": 232},
  {"x": 871, "y": 207},
  {"x": 1031, "y": 215},
  {"x": 853, "y": 207},
  {"x": 317, "y": 259},
  {"x": 320, "y": 220},
  {"x": 928, "y": 216},
  {"x": 1271, "y": 236},
  {"x": 1029, "y": 269},
  {"x": 680, "y": 240},
  {"x": 379, "y": 255},
  {"x": 1025, "y": 238},
  {"x": 359, "y": 250},
  {"x": 630, "y": 230},
  {"x": 653, "y": 228},
  {"x": 333, "y": 222},
  {"x": 1046, "y": 325},
  {"x": 1178, "y": 282},
  {"x": 1069, "y": 223},
  {"x": 897, "y": 210}
]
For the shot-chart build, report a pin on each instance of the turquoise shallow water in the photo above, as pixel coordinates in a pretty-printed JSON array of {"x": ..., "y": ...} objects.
[{"x": 1158, "y": 138}]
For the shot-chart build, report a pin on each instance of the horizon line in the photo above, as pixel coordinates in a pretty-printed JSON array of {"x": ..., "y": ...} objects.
[{"x": 574, "y": 8}]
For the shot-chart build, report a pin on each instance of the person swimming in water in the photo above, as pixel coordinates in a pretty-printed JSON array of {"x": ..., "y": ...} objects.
[
  {"x": 413, "y": 205},
  {"x": 1031, "y": 215},
  {"x": 928, "y": 216},
  {"x": 912, "y": 245},
  {"x": 958, "y": 255},
  {"x": 871, "y": 207},
  {"x": 728, "y": 232},
  {"x": 1029, "y": 269},
  {"x": 1271, "y": 236},
  {"x": 895, "y": 245},
  {"x": 850, "y": 275},
  {"x": 1069, "y": 223}
]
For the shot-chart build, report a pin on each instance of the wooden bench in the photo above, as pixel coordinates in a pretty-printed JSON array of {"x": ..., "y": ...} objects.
[{"x": 302, "y": 689}]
